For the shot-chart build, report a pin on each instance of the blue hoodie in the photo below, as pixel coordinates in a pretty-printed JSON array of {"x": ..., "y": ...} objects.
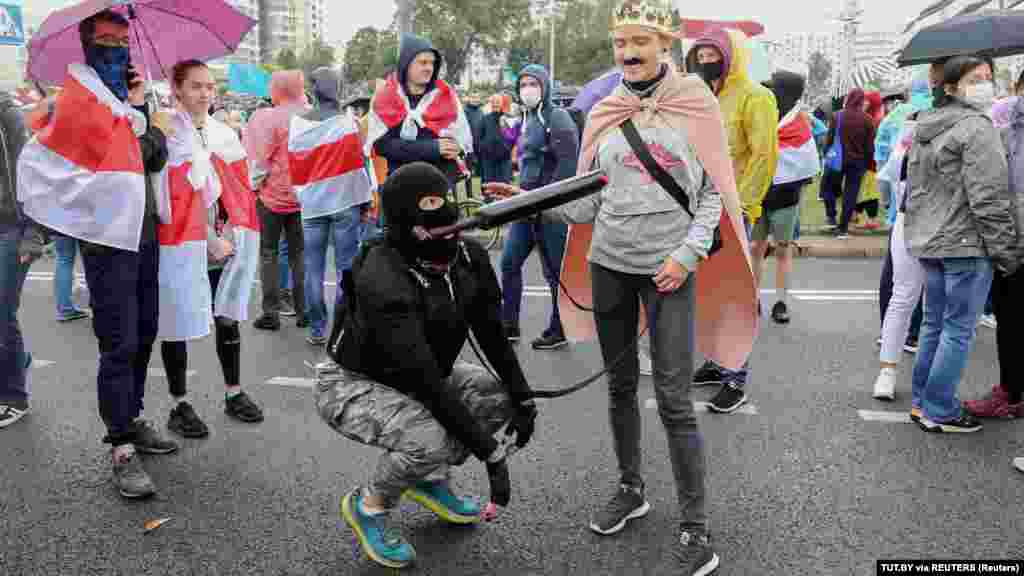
[{"x": 548, "y": 146}]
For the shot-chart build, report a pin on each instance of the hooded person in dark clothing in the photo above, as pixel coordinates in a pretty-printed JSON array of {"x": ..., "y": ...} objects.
[
  {"x": 326, "y": 86},
  {"x": 475, "y": 117},
  {"x": 548, "y": 150},
  {"x": 857, "y": 137},
  {"x": 412, "y": 301},
  {"x": 417, "y": 117}
]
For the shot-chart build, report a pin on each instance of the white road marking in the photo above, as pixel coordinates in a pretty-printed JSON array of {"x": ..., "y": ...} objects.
[
  {"x": 291, "y": 382},
  {"x": 884, "y": 416},
  {"x": 42, "y": 363},
  {"x": 834, "y": 298},
  {"x": 748, "y": 408}
]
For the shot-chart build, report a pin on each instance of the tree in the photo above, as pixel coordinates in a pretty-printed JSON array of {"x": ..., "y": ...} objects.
[
  {"x": 819, "y": 76},
  {"x": 457, "y": 27},
  {"x": 287, "y": 60},
  {"x": 387, "y": 54},
  {"x": 583, "y": 50},
  {"x": 361, "y": 54},
  {"x": 317, "y": 55}
]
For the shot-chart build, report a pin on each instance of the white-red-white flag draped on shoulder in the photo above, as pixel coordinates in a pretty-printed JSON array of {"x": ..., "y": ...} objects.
[
  {"x": 199, "y": 175},
  {"x": 798, "y": 154},
  {"x": 327, "y": 166},
  {"x": 83, "y": 175}
]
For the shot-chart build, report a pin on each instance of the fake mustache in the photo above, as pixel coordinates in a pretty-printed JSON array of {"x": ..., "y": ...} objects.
[{"x": 633, "y": 62}]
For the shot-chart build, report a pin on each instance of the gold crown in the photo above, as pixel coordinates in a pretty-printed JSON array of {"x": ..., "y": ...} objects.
[{"x": 650, "y": 13}]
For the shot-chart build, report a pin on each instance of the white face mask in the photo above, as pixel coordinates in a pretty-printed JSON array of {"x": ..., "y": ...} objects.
[
  {"x": 981, "y": 95},
  {"x": 530, "y": 95}
]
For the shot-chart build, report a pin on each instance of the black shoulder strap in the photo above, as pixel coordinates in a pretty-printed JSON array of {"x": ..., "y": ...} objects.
[{"x": 664, "y": 179}]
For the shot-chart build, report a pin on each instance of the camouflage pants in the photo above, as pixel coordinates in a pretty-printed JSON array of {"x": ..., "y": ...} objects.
[{"x": 416, "y": 446}]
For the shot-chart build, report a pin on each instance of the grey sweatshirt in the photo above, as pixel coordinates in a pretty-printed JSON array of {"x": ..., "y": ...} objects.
[{"x": 637, "y": 224}]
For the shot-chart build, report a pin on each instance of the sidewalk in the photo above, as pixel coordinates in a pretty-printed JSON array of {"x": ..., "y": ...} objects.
[{"x": 864, "y": 245}]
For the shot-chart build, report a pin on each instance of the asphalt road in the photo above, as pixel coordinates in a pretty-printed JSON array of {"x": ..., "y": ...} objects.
[{"x": 799, "y": 483}]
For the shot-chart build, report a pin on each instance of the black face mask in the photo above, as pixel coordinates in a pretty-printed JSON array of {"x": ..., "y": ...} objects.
[
  {"x": 440, "y": 251},
  {"x": 711, "y": 71}
]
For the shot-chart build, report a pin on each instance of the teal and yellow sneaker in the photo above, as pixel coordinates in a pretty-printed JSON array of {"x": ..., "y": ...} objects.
[
  {"x": 382, "y": 543},
  {"x": 437, "y": 497}
]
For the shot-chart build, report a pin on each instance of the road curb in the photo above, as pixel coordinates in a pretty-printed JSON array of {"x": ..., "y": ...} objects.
[{"x": 808, "y": 250}]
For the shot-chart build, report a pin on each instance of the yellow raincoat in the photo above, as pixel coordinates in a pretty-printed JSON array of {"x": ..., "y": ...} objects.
[{"x": 752, "y": 122}]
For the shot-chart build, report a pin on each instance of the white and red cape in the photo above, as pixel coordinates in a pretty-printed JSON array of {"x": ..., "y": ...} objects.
[
  {"x": 82, "y": 174},
  {"x": 439, "y": 111},
  {"x": 798, "y": 154},
  {"x": 327, "y": 166},
  {"x": 196, "y": 177}
]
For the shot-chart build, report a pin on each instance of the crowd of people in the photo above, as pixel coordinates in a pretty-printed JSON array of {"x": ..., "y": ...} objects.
[{"x": 704, "y": 168}]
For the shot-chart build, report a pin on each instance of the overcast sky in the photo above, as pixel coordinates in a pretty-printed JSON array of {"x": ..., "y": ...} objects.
[{"x": 797, "y": 16}]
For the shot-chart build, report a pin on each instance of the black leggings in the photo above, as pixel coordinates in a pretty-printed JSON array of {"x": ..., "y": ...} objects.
[
  {"x": 1006, "y": 304},
  {"x": 229, "y": 350},
  {"x": 869, "y": 206}
]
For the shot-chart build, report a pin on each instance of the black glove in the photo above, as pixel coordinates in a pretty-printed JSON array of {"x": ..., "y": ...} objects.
[
  {"x": 501, "y": 483},
  {"x": 522, "y": 423}
]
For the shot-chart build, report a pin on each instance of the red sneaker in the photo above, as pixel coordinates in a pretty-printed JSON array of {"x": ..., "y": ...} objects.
[{"x": 996, "y": 405}]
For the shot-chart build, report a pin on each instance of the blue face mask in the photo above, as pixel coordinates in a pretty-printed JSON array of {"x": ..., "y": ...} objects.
[{"x": 111, "y": 63}]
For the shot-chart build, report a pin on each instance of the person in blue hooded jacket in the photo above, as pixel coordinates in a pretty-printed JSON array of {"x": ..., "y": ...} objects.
[{"x": 547, "y": 150}]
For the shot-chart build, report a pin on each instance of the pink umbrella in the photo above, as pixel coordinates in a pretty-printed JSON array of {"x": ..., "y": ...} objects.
[{"x": 164, "y": 32}]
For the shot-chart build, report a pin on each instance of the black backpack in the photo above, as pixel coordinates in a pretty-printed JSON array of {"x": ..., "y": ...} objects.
[{"x": 580, "y": 118}]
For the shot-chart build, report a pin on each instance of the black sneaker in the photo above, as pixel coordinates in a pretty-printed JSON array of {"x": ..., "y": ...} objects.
[
  {"x": 910, "y": 346},
  {"x": 729, "y": 398},
  {"x": 694, "y": 553},
  {"x": 780, "y": 313},
  {"x": 287, "y": 306},
  {"x": 241, "y": 407},
  {"x": 185, "y": 421},
  {"x": 73, "y": 315},
  {"x": 965, "y": 423},
  {"x": 512, "y": 332},
  {"x": 548, "y": 341},
  {"x": 10, "y": 414},
  {"x": 302, "y": 321},
  {"x": 148, "y": 440},
  {"x": 841, "y": 234},
  {"x": 627, "y": 504},
  {"x": 268, "y": 322},
  {"x": 708, "y": 375}
]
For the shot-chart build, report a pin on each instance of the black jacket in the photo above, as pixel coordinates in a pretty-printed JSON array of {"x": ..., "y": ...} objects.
[
  {"x": 405, "y": 330},
  {"x": 154, "y": 157},
  {"x": 12, "y": 139},
  {"x": 391, "y": 146},
  {"x": 493, "y": 146}
]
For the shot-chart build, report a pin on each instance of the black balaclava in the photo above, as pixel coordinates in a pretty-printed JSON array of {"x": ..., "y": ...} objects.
[{"x": 401, "y": 194}]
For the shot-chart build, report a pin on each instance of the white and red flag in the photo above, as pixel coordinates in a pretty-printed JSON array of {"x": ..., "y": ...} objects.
[
  {"x": 438, "y": 111},
  {"x": 206, "y": 175},
  {"x": 798, "y": 154},
  {"x": 327, "y": 166},
  {"x": 82, "y": 174}
]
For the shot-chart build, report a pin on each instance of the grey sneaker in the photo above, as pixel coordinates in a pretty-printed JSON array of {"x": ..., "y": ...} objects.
[
  {"x": 694, "y": 553},
  {"x": 627, "y": 504},
  {"x": 287, "y": 306},
  {"x": 149, "y": 441},
  {"x": 131, "y": 479}
]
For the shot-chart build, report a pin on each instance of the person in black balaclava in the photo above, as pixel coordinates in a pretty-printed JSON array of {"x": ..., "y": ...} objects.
[{"x": 411, "y": 301}]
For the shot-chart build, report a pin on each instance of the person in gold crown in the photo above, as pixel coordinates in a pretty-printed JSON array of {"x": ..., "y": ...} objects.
[{"x": 645, "y": 246}]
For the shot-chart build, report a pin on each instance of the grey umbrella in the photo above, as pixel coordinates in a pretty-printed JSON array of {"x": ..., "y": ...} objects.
[{"x": 994, "y": 33}]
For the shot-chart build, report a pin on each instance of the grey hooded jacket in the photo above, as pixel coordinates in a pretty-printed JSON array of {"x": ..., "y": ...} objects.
[
  {"x": 958, "y": 203},
  {"x": 13, "y": 136},
  {"x": 1013, "y": 140}
]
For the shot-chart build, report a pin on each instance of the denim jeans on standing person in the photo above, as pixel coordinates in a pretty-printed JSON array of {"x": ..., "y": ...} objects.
[
  {"x": 282, "y": 259},
  {"x": 342, "y": 231},
  {"x": 955, "y": 292},
  {"x": 521, "y": 239},
  {"x": 14, "y": 359},
  {"x": 126, "y": 314},
  {"x": 64, "y": 275}
]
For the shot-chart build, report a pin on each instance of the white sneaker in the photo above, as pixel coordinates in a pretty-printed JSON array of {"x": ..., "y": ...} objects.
[
  {"x": 646, "y": 365},
  {"x": 1018, "y": 463},
  {"x": 885, "y": 385},
  {"x": 988, "y": 321}
]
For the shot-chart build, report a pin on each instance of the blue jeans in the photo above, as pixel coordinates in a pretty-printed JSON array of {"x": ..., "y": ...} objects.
[
  {"x": 282, "y": 259},
  {"x": 341, "y": 230},
  {"x": 955, "y": 291},
  {"x": 14, "y": 359},
  {"x": 522, "y": 237},
  {"x": 64, "y": 276}
]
